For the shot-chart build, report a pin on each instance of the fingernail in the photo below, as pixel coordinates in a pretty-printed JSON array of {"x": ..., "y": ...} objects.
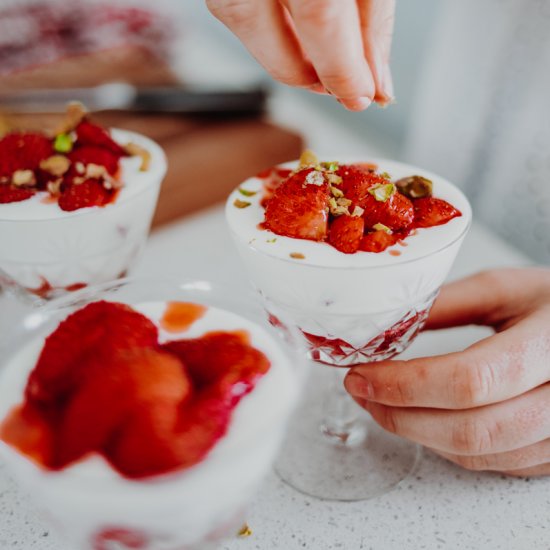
[
  {"x": 386, "y": 97},
  {"x": 359, "y": 386},
  {"x": 357, "y": 104},
  {"x": 317, "y": 89},
  {"x": 388, "y": 82}
]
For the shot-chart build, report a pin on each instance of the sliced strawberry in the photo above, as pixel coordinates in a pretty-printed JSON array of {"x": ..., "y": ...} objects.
[
  {"x": 356, "y": 182},
  {"x": 378, "y": 241},
  {"x": 23, "y": 151},
  {"x": 26, "y": 429},
  {"x": 134, "y": 379},
  {"x": 397, "y": 212},
  {"x": 88, "y": 193},
  {"x": 95, "y": 330},
  {"x": 346, "y": 232},
  {"x": 299, "y": 209},
  {"x": 430, "y": 211},
  {"x": 10, "y": 193},
  {"x": 90, "y": 154},
  {"x": 221, "y": 359},
  {"x": 88, "y": 133}
]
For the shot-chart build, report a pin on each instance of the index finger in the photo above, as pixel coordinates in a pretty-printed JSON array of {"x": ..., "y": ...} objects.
[
  {"x": 330, "y": 33},
  {"x": 500, "y": 367}
]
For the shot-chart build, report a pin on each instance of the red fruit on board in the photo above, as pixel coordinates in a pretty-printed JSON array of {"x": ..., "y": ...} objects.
[
  {"x": 430, "y": 211},
  {"x": 223, "y": 360},
  {"x": 88, "y": 193},
  {"x": 356, "y": 182},
  {"x": 88, "y": 133},
  {"x": 299, "y": 207},
  {"x": 126, "y": 382},
  {"x": 397, "y": 212},
  {"x": 10, "y": 193},
  {"x": 23, "y": 151},
  {"x": 91, "y": 154},
  {"x": 346, "y": 232},
  {"x": 82, "y": 338},
  {"x": 377, "y": 241}
]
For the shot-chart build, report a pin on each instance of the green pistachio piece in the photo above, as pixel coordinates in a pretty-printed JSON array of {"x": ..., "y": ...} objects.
[
  {"x": 63, "y": 143},
  {"x": 241, "y": 204},
  {"x": 308, "y": 158},
  {"x": 382, "y": 227},
  {"x": 386, "y": 175},
  {"x": 330, "y": 166},
  {"x": 246, "y": 192},
  {"x": 415, "y": 187},
  {"x": 382, "y": 191}
]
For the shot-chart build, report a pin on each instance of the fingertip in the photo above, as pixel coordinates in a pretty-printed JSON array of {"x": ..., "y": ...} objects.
[
  {"x": 358, "y": 386},
  {"x": 357, "y": 104}
]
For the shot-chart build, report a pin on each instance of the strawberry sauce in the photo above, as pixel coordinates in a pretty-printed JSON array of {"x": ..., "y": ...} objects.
[
  {"x": 179, "y": 316},
  {"x": 104, "y": 384}
]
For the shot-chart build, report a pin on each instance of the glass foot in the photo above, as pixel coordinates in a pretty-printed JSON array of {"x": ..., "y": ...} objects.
[{"x": 355, "y": 460}]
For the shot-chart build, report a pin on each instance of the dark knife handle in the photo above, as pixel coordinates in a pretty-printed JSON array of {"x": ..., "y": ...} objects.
[{"x": 200, "y": 102}]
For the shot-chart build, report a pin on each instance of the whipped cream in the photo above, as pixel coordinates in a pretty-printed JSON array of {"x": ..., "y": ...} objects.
[
  {"x": 40, "y": 243},
  {"x": 353, "y": 297},
  {"x": 180, "y": 508}
]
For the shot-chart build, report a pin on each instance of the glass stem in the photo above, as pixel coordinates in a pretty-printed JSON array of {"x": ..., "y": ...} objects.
[{"x": 341, "y": 415}]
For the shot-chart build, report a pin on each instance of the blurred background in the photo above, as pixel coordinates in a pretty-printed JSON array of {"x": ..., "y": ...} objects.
[{"x": 471, "y": 81}]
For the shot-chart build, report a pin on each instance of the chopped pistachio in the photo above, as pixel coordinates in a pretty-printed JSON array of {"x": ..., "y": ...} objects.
[
  {"x": 415, "y": 187},
  {"x": 315, "y": 178},
  {"x": 135, "y": 150},
  {"x": 382, "y": 191},
  {"x": 308, "y": 158},
  {"x": 95, "y": 171},
  {"x": 382, "y": 227},
  {"x": 330, "y": 166},
  {"x": 23, "y": 178},
  {"x": 342, "y": 201},
  {"x": 56, "y": 165},
  {"x": 54, "y": 187},
  {"x": 63, "y": 143},
  {"x": 334, "y": 179},
  {"x": 357, "y": 211},
  {"x": 386, "y": 175},
  {"x": 274, "y": 239},
  {"x": 246, "y": 192},
  {"x": 244, "y": 531},
  {"x": 297, "y": 256},
  {"x": 241, "y": 204},
  {"x": 75, "y": 113},
  {"x": 335, "y": 192}
]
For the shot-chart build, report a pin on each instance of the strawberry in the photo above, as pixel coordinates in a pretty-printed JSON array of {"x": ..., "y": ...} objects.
[
  {"x": 378, "y": 241},
  {"x": 91, "y": 154},
  {"x": 298, "y": 208},
  {"x": 346, "y": 233},
  {"x": 88, "y": 133},
  {"x": 430, "y": 211},
  {"x": 356, "y": 182},
  {"x": 26, "y": 429},
  {"x": 23, "y": 151},
  {"x": 88, "y": 193},
  {"x": 120, "y": 537},
  {"x": 95, "y": 330},
  {"x": 396, "y": 212},
  {"x": 10, "y": 193},
  {"x": 134, "y": 379},
  {"x": 220, "y": 359}
]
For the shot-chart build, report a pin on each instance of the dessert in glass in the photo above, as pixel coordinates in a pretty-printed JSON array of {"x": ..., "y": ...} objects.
[
  {"x": 354, "y": 253},
  {"x": 75, "y": 205},
  {"x": 144, "y": 414}
]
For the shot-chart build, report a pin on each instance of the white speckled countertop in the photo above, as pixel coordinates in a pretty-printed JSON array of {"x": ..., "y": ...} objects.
[{"x": 440, "y": 507}]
